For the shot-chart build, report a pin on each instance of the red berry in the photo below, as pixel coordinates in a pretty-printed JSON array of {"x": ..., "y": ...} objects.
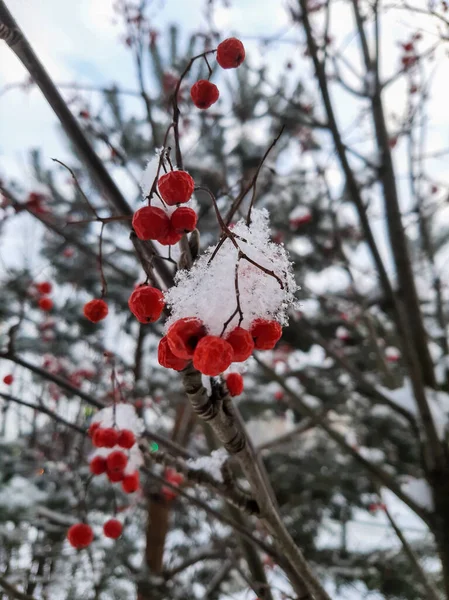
[
  {"x": 95, "y": 310},
  {"x": 230, "y": 53},
  {"x": 204, "y": 93},
  {"x": 242, "y": 343},
  {"x": 265, "y": 334},
  {"x": 176, "y": 187},
  {"x": 184, "y": 335},
  {"x": 213, "y": 355},
  {"x": 8, "y": 379},
  {"x": 92, "y": 429},
  {"x": 115, "y": 476},
  {"x": 113, "y": 529},
  {"x": 171, "y": 238},
  {"x": 130, "y": 483},
  {"x": 126, "y": 439},
  {"x": 44, "y": 287},
  {"x": 117, "y": 461},
  {"x": 150, "y": 223},
  {"x": 98, "y": 465},
  {"x": 173, "y": 477},
  {"x": 108, "y": 436},
  {"x": 68, "y": 252},
  {"x": 183, "y": 220},
  {"x": 45, "y": 303},
  {"x": 146, "y": 303},
  {"x": 80, "y": 535},
  {"x": 167, "y": 359},
  {"x": 279, "y": 395},
  {"x": 234, "y": 381}
]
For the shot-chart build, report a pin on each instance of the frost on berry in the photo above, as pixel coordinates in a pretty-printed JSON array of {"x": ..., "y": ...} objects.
[
  {"x": 207, "y": 292},
  {"x": 204, "y": 93}
]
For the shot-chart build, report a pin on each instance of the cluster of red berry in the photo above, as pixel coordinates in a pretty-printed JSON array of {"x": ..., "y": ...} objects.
[
  {"x": 153, "y": 223},
  {"x": 230, "y": 55},
  {"x": 187, "y": 340},
  {"x": 113, "y": 465},
  {"x": 175, "y": 479},
  {"x": 43, "y": 289}
]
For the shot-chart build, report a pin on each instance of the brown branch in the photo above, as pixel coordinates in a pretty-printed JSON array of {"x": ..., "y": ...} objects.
[{"x": 10, "y": 590}]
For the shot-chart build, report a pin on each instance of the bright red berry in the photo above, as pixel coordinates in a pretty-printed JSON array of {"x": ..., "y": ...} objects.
[
  {"x": 167, "y": 359},
  {"x": 213, "y": 355},
  {"x": 151, "y": 223},
  {"x": 126, "y": 439},
  {"x": 265, "y": 334},
  {"x": 108, "y": 436},
  {"x": 113, "y": 529},
  {"x": 45, "y": 303},
  {"x": 171, "y": 238},
  {"x": 184, "y": 219},
  {"x": 184, "y": 335},
  {"x": 8, "y": 379},
  {"x": 230, "y": 53},
  {"x": 80, "y": 535},
  {"x": 146, "y": 303},
  {"x": 115, "y": 476},
  {"x": 44, "y": 288},
  {"x": 176, "y": 187},
  {"x": 92, "y": 429},
  {"x": 130, "y": 482},
  {"x": 204, "y": 93},
  {"x": 98, "y": 465},
  {"x": 117, "y": 461},
  {"x": 95, "y": 310},
  {"x": 242, "y": 343},
  {"x": 234, "y": 382}
]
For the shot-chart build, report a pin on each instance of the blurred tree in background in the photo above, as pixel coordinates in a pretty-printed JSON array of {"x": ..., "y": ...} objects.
[{"x": 348, "y": 414}]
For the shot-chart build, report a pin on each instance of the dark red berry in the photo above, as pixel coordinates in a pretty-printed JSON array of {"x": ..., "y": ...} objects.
[
  {"x": 113, "y": 529},
  {"x": 204, "y": 93},
  {"x": 126, "y": 439},
  {"x": 176, "y": 187},
  {"x": 98, "y": 465},
  {"x": 130, "y": 482},
  {"x": 146, "y": 303},
  {"x": 8, "y": 379},
  {"x": 80, "y": 535},
  {"x": 44, "y": 288},
  {"x": 213, "y": 355},
  {"x": 115, "y": 476},
  {"x": 234, "y": 382},
  {"x": 151, "y": 223},
  {"x": 95, "y": 310},
  {"x": 184, "y": 335},
  {"x": 230, "y": 53},
  {"x": 117, "y": 461},
  {"x": 184, "y": 219},
  {"x": 45, "y": 303},
  {"x": 167, "y": 359}
]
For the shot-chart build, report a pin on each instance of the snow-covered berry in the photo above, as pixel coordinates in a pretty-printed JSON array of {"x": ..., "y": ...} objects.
[
  {"x": 183, "y": 337},
  {"x": 95, "y": 310},
  {"x": 117, "y": 461},
  {"x": 213, "y": 355},
  {"x": 130, "y": 483},
  {"x": 204, "y": 93},
  {"x": 151, "y": 223},
  {"x": 126, "y": 439},
  {"x": 167, "y": 359},
  {"x": 230, "y": 53},
  {"x": 176, "y": 187},
  {"x": 98, "y": 465},
  {"x": 44, "y": 287},
  {"x": 113, "y": 529},
  {"x": 45, "y": 303},
  {"x": 80, "y": 535},
  {"x": 184, "y": 219},
  {"x": 8, "y": 379},
  {"x": 242, "y": 343},
  {"x": 265, "y": 334},
  {"x": 234, "y": 382},
  {"x": 146, "y": 303}
]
